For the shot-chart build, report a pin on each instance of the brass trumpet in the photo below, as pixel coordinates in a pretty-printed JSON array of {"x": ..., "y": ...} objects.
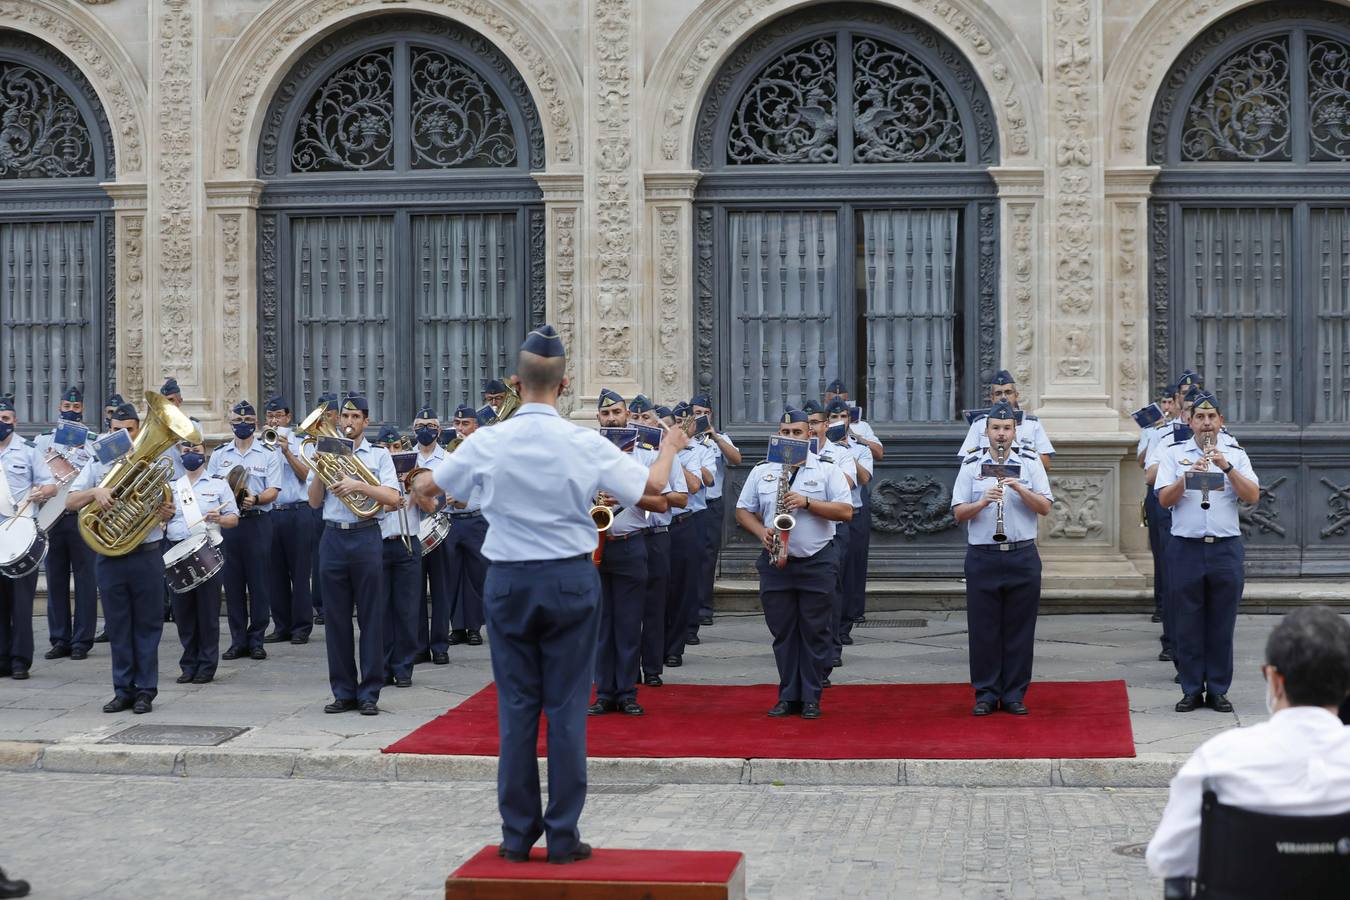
[
  {"x": 332, "y": 468},
  {"x": 269, "y": 437},
  {"x": 139, "y": 483},
  {"x": 603, "y": 517}
]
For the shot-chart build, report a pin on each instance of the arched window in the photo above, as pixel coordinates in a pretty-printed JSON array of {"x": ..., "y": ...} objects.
[
  {"x": 56, "y": 231},
  {"x": 400, "y": 235},
  {"x": 845, "y": 224},
  {"x": 1251, "y": 260}
]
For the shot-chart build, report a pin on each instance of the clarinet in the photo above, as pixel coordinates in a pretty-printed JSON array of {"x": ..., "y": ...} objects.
[
  {"x": 1000, "y": 532},
  {"x": 1204, "y": 488}
]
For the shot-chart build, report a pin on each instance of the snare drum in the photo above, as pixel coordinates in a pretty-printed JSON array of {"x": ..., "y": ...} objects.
[
  {"x": 434, "y": 530},
  {"x": 23, "y": 547},
  {"x": 192, "y": 563}
]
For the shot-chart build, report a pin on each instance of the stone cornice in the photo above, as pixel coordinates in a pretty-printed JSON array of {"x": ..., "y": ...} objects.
[
  {"x": 1130, "y": 181},
  {"x": 671, "y": 185},
  {"x": 1018, "y": 181},
  {"x": 244, "y": 192},
  {"x": 130, "y": 195},
  {"x": 560, "y": 187}
]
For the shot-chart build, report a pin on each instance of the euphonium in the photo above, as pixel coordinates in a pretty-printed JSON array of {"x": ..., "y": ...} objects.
[
  {"x": 510, "y": 404},
  {"x": 139, "y": 483},
  {"x": 332, "y": 468}
]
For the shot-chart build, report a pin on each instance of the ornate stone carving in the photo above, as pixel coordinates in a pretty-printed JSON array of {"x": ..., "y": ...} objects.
[
  {"x": 914, "y": 505},
  {"x": 231, "y": 306},
  {"x": 174, "y": 110},
  {"x": 307, "y": 15},
  {"x": 131, "y": 380},
  {"x": 44, "y": 135},
  {"x": 705, "y": 314},
  {"x": 1127, "y": 292},
  {"x": 538, "y": 262},
  {"x": 1160, "y": 296},
  {"x": 93, "y": 53},
  {"x": 742, "y": 16},
  {"x": 268, "y": 300},
  {"x": 564, "y": 247},
  {"x": 1076, "y": 512},
  {"x": 1338, "y": 509},
  {"x": 668, "y": 328},
  {"x": 1263, "y": 517},
  {"x": 987, "y": 273},
  {"x": 1023, "y": 291}
]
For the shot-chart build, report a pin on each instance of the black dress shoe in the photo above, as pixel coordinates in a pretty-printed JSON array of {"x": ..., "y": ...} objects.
[
  {"x": 117, "y": 705},
  {"x": 441, "y": 659},
  {"x": 101, "y": 638},
  {"x": 370, "y": 708},
  {"x": 78, "y": 654},
  {"x": 388, "y": 680},
  {"x": 402, "y": 681},
  {"x": 232, "y": 653},
  {"x": 421, "y": 657},
  {"x": 693, "y": 640},
  {"x": 516, "y": 856},
  {"x": 631, "y": 708},
  {"x": 56, "y": 653},
  {"x": 1218, "y": 702},
  {"x": 185, "y": 678},
  {"x": 837, "y": 662},
  {"x": 142, "y": 705},
  {"x": 258, "y": 653},
  {"x": 705, "y": 620},
  {"x": 982, "y": 708},
  {"x": 275, "y": 638},
  {"x": 340, "y": 706},
  {"x": 826, "y": 683},
  {"x": 1176, "y": 679},
  {"x": 1155, "y": 618},
  {"x": 810, "y": 710},
  {"x": 859, "y": 620},
  {"x": 20, "y": 673},
  {"x": 674, "y": 661},
  {"x": 458, "y": 636},
  {"x": 299, "y": 639},
  {"x": 1165, "y": 655},
  {"x": 474, "y": 639},
  {"x": 202, "y": 679},
  {"x": 1016, "y": 707},
  {"x": 12, "y": 887},
  {"x": 1188, "y": 703},
  {"x": 582, "y": 851},
  {"x": 600, "y": 707},
  {"x": 318, "y": 618},
  {"x": 780, "y": 709},
  {"x": 846, "y": 639},
  {"x": 652, "y": 680}
]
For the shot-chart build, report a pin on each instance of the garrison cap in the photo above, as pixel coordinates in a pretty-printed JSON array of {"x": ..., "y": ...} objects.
[
  {"x": 243, "y": 408},
  {"x": 277, "y": 403},
  {"x": 329, "y": 399},
  {"x": 73, "y": 395},
  {"x": 836, "y": 406},
  {"x": 170, "y": 387},
  {"x": 388, "y": 434},
  {"x": 494, "y": 386},
  {"x": 663, "y": 412},
  {"x": 125, "y": 411},
  {"x": 114, "y": 400},
  {"x": 425, "y": 412},
  {"x": 356, "y": 403},
  {"x": 1188, "y": 378},
  {"x": 813, "y": 407},
  {"x": 608, "y": 398},
  {"x": 543, "y": 341},
  {"x": 701, "y": 400},
  {"x": 6, "y": 403},
  {"x": 1206, "y": 400},
  {"x": 465, "y": 411},
  {"x": 683, "y": 409},
  {"x": 1002, "y": 410},
  {"x": 792, "y": 416},
  {"x": 1002, "y": 376},
  {"x": 640, "y": 404},
  {"x": 836, "y": 387}
]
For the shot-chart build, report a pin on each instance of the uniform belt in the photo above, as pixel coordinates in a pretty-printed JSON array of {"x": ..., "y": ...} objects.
[
  {"x": 1004, "y": 547},
  {"x": 148, "y": 547},
  {"x": 399, "y": 538},
  {"x": 659, "y": 529},
  {"x": 252, "y": 513},
  {"x": 626, "y": 537},
  {"x": 353, "y": 526},
  {"x": 466, "y": 514},
  {"x": 540, "y": 562},
  {"x": 277, "y": 507},
  {"x": 1207, "y": 539},
  {"x": 680, "y": 520}
]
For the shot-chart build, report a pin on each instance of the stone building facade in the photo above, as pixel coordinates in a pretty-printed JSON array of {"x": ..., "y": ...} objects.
[{"x": 260, "y": 195}]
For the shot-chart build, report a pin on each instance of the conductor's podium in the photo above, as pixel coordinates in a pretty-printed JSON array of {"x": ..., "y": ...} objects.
[{"x": 607, "y": 875}]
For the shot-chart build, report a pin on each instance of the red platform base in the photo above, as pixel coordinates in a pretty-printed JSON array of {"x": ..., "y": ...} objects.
[{"x": 608, "y": 875}]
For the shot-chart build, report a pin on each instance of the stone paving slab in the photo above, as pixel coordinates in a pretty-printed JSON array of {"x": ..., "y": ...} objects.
[{"x": 53, "y": 722}]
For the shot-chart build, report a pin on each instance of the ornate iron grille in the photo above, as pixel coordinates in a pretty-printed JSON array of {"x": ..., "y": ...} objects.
[
  {"x": 457, "y": 119},
  {"x": 349, "y": 123},
  {"x": 901, "y": 112},
  {"x": 1241, "y": 112},
  {"x": 1329, "y": 98},
  {"x": 787, "y": 114},
  {"x": 42, "y": 134}
]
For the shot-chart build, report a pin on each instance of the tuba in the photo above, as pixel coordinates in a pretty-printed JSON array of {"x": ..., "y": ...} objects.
[
  {"x": 332, "y": 468},
  {"x": 140, "y": 482},
  {"x": 510, "y": 404}
]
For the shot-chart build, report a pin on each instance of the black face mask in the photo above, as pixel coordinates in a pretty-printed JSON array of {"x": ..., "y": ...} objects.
[
  {"x": 243, "y": 430},
  {"x": 6, "y": 429},
  {"x": 426, "y": 435},
  {"x": 70, "y": 415}
]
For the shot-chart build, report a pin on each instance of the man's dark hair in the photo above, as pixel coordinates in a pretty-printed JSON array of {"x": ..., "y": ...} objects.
[
  {"x": 1311, "y": 649},
  {"x": 540, "y": 373}
]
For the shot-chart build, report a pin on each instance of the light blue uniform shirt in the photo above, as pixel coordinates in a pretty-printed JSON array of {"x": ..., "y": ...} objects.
[
  {"x": 430, "y": 458},
  {"x": 1031, "y": 433},
  {"x": 693, "y": 459},
  {"x": 263, "y": 467},
  {"x": 839, "y": 457},
  {"x": 292, "y": 488},
  {"x": 720, "y": 469},
  {"x": 213, "y": 495},
  {"x": 78, "y": 457},
  {"x": 861, "y": 457},
  {"x": 380, "y": 464},
  {"x": 630, "y": 518},
  {"x": 816, "y": 480},
  {"x": 539, "y": 475},
  {"x": 1019, "y": 520},
  {"x": 24, "y": 469},
  {"x": 1188, "y": 519},
  {"x": 391, "y": 524},
  {"x": 677, "y": 485},
  {"x": 92, "y": 475}
]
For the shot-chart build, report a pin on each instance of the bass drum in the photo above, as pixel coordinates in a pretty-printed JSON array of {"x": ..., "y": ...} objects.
[
  {"x": 192, "y": 563},
  {"x": 434, "y": 530},
  {"x": 23, "y": 547}
]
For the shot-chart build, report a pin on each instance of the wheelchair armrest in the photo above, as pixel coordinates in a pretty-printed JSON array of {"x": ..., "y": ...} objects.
[{"x": 1178, "y": 888}]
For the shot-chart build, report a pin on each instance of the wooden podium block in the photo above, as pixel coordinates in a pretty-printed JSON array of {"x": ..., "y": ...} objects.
[{"x": 607, "y": 875}]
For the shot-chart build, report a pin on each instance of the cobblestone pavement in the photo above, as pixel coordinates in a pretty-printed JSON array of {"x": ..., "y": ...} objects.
[{"x": 134, "y": 837}]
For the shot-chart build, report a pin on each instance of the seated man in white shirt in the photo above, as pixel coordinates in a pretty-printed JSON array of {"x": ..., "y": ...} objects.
[{"x": 1297, "y": 763}]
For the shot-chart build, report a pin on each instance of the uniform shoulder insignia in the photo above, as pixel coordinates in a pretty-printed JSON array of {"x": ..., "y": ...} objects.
[
  {"x": 1030, "y": 453},
  {"x": 1235, "y": 446},
  {"x": 970, "y": 459},
  {"x": 1179, "y": 443},
  {"x": 29, "y": 443},
  {"x": 1028, "y": 417}
]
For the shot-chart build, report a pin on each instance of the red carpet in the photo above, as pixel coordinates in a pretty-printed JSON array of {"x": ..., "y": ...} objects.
[
  {"x": 1083, "y": 719},
  {"x": 675, "y": 866}
]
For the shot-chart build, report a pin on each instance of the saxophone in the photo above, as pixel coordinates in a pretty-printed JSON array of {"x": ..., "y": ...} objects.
[{"x": 783, "y": 521}]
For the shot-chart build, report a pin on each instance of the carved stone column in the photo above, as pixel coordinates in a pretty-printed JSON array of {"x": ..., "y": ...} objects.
[
  {"x": 1022, "y": 196},
  {"x": 667, "y": 349},
  {"x": 129, "y": 207},
  {"x": 610, "y": 318},
  {"x": 563, "y": 212},
  {"x": 232, "y": 303},
  {"x": 174, "y": 322}
]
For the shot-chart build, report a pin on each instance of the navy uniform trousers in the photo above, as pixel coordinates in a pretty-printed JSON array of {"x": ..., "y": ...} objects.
[
  {"x": 351, "y": 567},
  {"x": 196, "y": 614},
  {"x": 402, "y": 597},
  {"x": 248, "y": 578},
  {"x": 317, "y": 526},
  {"x": 67, "y": 555},
  {"x": 623, "y": 585},
  {"x": 1205, "y": 586},
  {"x": 291, "y": 565},
  {"x": 1003, "y": 595},
  {"x": 132, "y": 590},
  {"x": 544, "y": 617},
  {"x": 682, "y": 592},
  {"x": 438, "y": 590},
  {"x": 712, "y": 545},
  {"x": 654, "y": 601},
  {"x": 797, "y": 601},
  {"x": 838, "y": 599},
  {"x": 1159, "y": 534},
  {"x": 468, "y": 571},
  {"x": 855, "y": 567},
  {"x": 16, "y": 621}
]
